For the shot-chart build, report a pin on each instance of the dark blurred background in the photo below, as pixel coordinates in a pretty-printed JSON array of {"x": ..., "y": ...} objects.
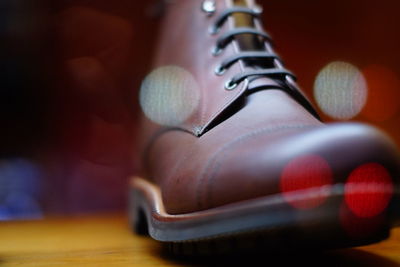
[{"x": 70, "y": 72}]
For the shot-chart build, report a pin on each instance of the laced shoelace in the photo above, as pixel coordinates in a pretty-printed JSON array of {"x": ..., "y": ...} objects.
[{"x": 276, "y": 72}]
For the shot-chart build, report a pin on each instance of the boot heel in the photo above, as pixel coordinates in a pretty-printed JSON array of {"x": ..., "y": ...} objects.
[{"x": 137, "y": 215}]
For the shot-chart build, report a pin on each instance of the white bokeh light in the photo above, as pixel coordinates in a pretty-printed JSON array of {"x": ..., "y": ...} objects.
[
  {"x": 340, "y": 90},
  {"x": 169, "y": 95}
]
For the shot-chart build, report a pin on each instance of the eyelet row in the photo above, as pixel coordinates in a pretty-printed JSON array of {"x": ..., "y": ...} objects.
[{"x": 209, "y": 6}]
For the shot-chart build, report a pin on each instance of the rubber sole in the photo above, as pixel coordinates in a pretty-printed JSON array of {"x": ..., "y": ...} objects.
[{"x": 267, "y": 223}]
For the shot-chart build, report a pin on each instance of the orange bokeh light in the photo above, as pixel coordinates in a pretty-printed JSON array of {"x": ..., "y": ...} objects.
[{"x": 383, "y": 93}]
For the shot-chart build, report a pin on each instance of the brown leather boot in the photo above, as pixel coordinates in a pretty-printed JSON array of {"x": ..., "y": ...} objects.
[{"x": 234, "y": 154}]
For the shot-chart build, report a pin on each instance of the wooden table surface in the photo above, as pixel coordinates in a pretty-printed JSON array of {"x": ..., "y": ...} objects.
[{"x": 107, "y": 241}]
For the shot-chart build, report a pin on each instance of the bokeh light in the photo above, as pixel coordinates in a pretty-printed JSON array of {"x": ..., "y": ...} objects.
[
  {"x": 340, "y": 90},
  {"x": 383, "y": 93},
  {"x": 169, "y": 95},
  {"x": 20, "y": 189},
  {"x": 309, "y": 172},
  {"x": 368, "y": 190}
]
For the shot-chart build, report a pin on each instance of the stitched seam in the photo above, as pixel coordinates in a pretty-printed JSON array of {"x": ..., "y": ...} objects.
[
  {"x": 234, "y": 96},
  {"x": 206, "y": 180},
  {"x": 152, "y": 141}
]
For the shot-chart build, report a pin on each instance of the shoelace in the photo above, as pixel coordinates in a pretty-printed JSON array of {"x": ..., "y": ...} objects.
[{"x": 277, "y": 72}]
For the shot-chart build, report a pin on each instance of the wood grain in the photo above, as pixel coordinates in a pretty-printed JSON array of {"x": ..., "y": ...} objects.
[{"x": 107, "y": 241}]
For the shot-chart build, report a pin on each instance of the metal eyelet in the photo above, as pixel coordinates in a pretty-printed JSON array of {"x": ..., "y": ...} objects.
[
  {"x": 216, "y": 51},
  {"x": 213, "y": 30},
  {"x": 209, "y": 7},
  {"x": 229, "y": 85},
  {"x": 258, "y": 9},
  {"x": 219, "y": 70}
]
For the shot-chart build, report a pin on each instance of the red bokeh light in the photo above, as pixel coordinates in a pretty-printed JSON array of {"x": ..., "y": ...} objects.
[
  {"x": 303, "y": 179},
  {"x": 368, "y": 190}
]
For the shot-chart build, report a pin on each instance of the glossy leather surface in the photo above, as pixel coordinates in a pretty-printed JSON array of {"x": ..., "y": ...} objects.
[{"x": 243, "y": 155}]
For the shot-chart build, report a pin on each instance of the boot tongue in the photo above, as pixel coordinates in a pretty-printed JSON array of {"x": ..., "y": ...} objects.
[
  {"x": 251, "y": 42},
  {"x": 247, "y": 42}
]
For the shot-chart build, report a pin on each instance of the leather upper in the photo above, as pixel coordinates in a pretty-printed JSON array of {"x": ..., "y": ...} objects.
[
  {"x": 185, "y": 41},
  {"x": 256, "y": 135},
  {"x": 238, "y": 160}
]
